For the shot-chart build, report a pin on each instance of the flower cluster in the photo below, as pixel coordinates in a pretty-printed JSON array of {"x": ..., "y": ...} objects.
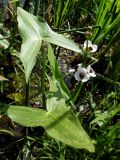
[{"x": 83, "y": 74}]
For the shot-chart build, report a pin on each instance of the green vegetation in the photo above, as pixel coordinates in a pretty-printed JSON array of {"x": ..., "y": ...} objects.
[{"x": 60, "y": 79}]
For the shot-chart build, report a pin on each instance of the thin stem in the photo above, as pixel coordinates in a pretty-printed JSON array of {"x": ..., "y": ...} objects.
[
  {"x": 36, "y": 7},
  {"x": 76, "y": 29},
  {"x": 27, "y": 94},
  {"x": 43, "y": 77},
  {"x": 76, "y": 92},
  {"x": 27, "y": 100},
  {"x": 85, "y": 58},
  {"x": 80, "y": 84}
]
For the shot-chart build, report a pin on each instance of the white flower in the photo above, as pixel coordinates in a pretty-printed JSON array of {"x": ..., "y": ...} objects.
[
  {"x": 89, "y": 46},
  {"x": 91, "y": 72},
  {"x": 81, "y": 74}
]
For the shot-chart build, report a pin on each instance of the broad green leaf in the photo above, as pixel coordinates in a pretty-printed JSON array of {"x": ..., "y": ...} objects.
[
  {"x": 61, "y": 123},
  {"x": 58, "y": 39},
  {"x": 33, "y": 30},
  {"x": 66, "y": 127},
  {"x": 26, "y": 116},
  {"x": 54, "y": 100},
  {"x": 31, "y": 40}
]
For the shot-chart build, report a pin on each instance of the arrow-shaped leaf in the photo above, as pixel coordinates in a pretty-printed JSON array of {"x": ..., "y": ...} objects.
[{"x": 33, "y": 30}]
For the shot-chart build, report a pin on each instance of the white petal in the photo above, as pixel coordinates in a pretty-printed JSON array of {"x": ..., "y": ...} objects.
[
  {"x": 79, "y": 68},
  {"x": 77, "y": 76},
  {"x": 94, "y": 48},
  {"x": 88, "y": 68},
  {"x": 71, "y": 70},
  {"x": 88, "y": 44},
  {"x": 90, "y": 71},
  {"x": 81, "y": 74},
  {"x": 82, "y": 70},
  {"x": 80, "y": 65},
  {"x": 86, "y": 78}
]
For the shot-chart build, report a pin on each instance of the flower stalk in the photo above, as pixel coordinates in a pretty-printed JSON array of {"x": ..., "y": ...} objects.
[{"x": 76, "y": 92}]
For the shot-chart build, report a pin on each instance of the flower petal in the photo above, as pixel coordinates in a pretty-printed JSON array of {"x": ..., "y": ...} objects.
[
  {"x": 71, "y": 70},
  {"x": 80, "y": 65},
  {"x": 90, "y": 71},
  {"x": 77, "y": 76},
  {"x": 94, "y": 48},
  {"x": 87, "y": 43}
]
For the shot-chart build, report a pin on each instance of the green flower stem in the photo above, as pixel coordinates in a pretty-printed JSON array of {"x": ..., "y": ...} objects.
[
  {"x": 36, "y": 7},
  {"x": 80, "y": 84},
  {"x": 85, "y": 58},
  {"x": 76, "y": 92},
  {"x": 43, "y": 77}
]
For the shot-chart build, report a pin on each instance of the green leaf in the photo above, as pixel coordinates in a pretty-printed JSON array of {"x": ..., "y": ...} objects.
[
  {"x": 103, "y": 118},
  {"x": 31, "y": 40},
  {"x": 66, "y": 127},
  {"x": 114, "y": 131},
  {"x": 57, "y": 75},
  {"x": 27, "y": 116},
  {"x": 60, "y": 122},
  {"x": 33, "y": 30},
  {"x": 50, "y": 36}
]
